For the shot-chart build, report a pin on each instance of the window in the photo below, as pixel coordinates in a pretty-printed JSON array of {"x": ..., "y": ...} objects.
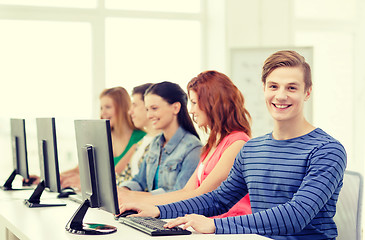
[
  {"x": 55, "y": 63},
  {"x": 151, "y": 50},
  {"x": 155, "y": 5},
  {"x": 53, "y": 3},
  {"x": 46, "y": 71}
]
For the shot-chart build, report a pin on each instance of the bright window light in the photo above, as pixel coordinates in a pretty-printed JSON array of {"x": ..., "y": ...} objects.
[
  {"x": 53, "y": 3},
  {"x": 155, "y": 5},
  {"x": 145, "y": 50}
]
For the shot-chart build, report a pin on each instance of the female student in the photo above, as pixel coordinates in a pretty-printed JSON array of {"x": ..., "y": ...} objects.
[
  {"x": 217, "y": 106},
  {"x": 174, "y": 153},
  {"x": 294, "y": 174},
  {"x": 114, "y": 105}
]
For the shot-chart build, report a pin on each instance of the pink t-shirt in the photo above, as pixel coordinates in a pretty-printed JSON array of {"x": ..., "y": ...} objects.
[{"x": 242, "y": 207}]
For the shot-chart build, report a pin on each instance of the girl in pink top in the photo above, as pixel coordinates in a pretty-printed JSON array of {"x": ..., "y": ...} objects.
[
  {"x": 217, "y": 107},
  {"x": 243, "y": 207}
]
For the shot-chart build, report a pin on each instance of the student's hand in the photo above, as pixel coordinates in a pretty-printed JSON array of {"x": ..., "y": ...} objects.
[
  {"x": 32, "y": 180},
  {"x": 198, "y": 222},
  {"x": 125, "y": 195},
  {"x": 144, "y": 210},
  {"x": 71, "y": 181},
  {"x": 65, "y": 176},
  {"x": 69, "y": 173}
]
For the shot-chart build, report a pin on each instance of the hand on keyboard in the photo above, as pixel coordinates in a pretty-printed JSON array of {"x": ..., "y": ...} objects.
[
  {"x": 127, "y": 213},
  {"x": 199, "y": 223},
  {"x": 144, "y": 210},
  {"x": 152, "y": 226}
]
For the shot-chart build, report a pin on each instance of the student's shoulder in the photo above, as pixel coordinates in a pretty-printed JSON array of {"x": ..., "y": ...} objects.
[
  {"x": 156, "y": 139},
  {"x": 323, "y": 139},
  {"x": 191, "y": 140},
  {"x": 259, "y": 140},
  {"x": 237, "y": 135},
  {"x": 137, "y": 135},
  {"x": 320, "y": 137}
]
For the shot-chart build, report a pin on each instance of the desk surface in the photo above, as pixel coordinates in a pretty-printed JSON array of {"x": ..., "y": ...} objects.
[{"x": 49, "y": 223}]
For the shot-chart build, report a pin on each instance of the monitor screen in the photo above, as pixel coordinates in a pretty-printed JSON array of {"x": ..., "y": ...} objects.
[
  {"x": 19, "y": 147},
  {"x": 47, "y": 151},
  {"x": 97, "y": 175}
]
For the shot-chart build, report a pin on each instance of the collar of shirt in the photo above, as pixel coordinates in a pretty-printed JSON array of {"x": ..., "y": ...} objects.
[{"x": 174, "y": 141}]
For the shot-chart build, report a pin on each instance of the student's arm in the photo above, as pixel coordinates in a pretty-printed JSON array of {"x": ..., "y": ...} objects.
[
  {"x": 147, "y": 199},
  {"x": 71, "y": 171},
  {"x": 121, "y": 165},
  {"x": 138, "y": 182},
  {"x": 72, "y": 181},
  {"x": 70, "y": 177},
  {"x": 318, "y": 186},
  {"x": 212, "y": 203},
  {"x": 212, "y": 181}
]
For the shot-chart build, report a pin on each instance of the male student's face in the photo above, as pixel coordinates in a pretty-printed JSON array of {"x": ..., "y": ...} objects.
[
  {"x": 285, "y": 94},
  {"x": 138, "y": 111}
]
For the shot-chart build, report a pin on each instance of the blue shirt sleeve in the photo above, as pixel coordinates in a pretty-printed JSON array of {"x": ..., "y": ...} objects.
[{"x": 324, "y": 175}]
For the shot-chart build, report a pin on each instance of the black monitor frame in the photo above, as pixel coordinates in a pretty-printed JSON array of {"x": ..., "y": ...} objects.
[
  {"x": 97, "y": 175},
  {"x": 48, "y": 162},
  {"x": 20, "y": 154}
]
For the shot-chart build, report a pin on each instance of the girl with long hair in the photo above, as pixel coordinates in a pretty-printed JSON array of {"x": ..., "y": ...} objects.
[
  {"x": 174, "y": 153},
  {"x": 114, "y": 105},
  {"x": 218, "y": 107}
]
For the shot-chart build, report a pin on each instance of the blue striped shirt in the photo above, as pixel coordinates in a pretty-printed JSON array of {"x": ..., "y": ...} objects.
[{"x": 293, "y": 186}]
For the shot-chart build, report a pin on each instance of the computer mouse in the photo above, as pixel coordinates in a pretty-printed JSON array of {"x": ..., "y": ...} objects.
[
  {"x": 126, "y": 213},
  {"x": 65, "y": 192}
]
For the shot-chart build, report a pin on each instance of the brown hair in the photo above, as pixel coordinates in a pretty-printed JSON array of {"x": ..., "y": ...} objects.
[
  {"x": 122, "y": 103},
  {"x": 287, "y": 58},
  {"x": 141, "y": 89},
  {"x": 223, "y": 104}
]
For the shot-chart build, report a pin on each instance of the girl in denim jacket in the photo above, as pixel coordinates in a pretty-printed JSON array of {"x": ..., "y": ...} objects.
[{"x": 174, "y": 154}]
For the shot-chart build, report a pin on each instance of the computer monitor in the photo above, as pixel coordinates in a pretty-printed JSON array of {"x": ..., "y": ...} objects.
[
  {"x": 48, "y": 162},
  {"x": 97, "y": 175},
  {"x": 19, "y": 149}
]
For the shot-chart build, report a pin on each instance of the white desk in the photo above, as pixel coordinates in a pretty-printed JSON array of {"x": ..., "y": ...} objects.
[{"x": 17, "y": 221}]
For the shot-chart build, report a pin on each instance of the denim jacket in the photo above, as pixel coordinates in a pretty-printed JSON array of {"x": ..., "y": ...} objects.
[{"x": 179, "y": 159}]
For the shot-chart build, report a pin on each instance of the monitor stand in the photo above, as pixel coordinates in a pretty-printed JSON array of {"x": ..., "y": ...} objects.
[
  {"x": 8, "y": 184},
  {"x": 76, "y": 226},
  {"x": 34, "y": 200}
]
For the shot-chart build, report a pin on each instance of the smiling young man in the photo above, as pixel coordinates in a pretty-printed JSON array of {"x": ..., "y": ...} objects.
[{"x": 293, "y": 175}]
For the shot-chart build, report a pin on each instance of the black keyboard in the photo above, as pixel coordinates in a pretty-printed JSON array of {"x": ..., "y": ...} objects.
[{"x": 152, "y": 226}]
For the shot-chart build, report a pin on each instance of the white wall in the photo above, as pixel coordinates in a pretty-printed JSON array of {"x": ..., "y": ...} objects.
[
  {"x": 337, "y": 36},
  {"x": 339, "y": 55}
]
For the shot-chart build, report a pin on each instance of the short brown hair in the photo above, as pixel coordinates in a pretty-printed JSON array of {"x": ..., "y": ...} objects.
[
  {"x": 287, "y": 58},
  {"x": 141, "y": 89}
]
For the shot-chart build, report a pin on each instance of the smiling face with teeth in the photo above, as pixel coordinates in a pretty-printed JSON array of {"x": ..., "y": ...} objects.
[
  {"x": 285, "y": 94},
  {"x": 162, "y": 114}
]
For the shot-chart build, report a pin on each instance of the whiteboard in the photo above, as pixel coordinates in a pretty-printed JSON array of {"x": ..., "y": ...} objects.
[{"x": 246, "y": 66}]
